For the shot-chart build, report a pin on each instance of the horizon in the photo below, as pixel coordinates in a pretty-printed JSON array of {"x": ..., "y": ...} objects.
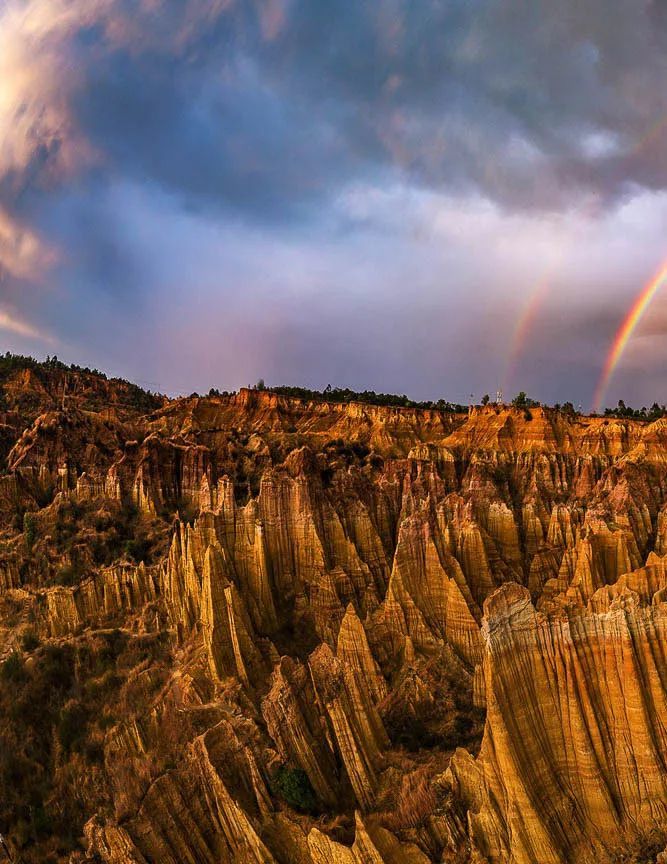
[
  {"x": 520, "y": 401},
  {"x": 415, "y": 199}
]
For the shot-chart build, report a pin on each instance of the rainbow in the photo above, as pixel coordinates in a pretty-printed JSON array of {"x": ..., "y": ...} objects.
[
  {"x": 625, "y": 331},
  {"x": 539, "y": 293},
  {"x": 651, "y": 135},
  {"x": 522, "y": 328}
]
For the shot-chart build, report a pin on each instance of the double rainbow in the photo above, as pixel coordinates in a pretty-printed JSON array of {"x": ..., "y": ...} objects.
[
  {"x": 632, "y": 319},
  {"x": 625, "y": 331}
]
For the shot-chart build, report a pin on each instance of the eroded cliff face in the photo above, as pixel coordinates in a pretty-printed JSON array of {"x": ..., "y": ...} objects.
[
  {"x": 263, "y": 630},
  {"x": 578, "y": 762}
]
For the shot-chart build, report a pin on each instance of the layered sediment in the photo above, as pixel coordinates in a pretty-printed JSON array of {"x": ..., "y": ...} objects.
[{"x": 311, "y": 632}]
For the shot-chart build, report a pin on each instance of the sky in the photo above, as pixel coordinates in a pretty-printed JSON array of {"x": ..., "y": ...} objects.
[{"x": 438, "y": 198}]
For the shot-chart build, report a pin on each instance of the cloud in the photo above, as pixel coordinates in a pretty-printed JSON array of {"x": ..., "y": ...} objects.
[
  {"x": 530, "y": 106},
  {"x": 266, "y": 109},
  {"x": 266, "y": 106},
  {"x": 37, "y": 74},
  {"x": 272, "y": 186},
  {"x": 50, "y": 54},
  {"x": 406, "y": 290},
  {"x": 22, "y": 253},
  {"x": 272, "y": 18},
  {"x": 9, "y": 321}
]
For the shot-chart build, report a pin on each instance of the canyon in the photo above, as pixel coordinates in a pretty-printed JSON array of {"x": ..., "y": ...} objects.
[{"x": 251, "y": 628}]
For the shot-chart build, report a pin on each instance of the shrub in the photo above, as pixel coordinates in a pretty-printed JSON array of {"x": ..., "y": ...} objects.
[
  {"x": 501, "y": 474},
  {"x": 30, "y": 641},
  {"x": 94, "y": 752},
  {"x": 137, "y": 549},
  {"x": 30, "y": 710},
  {"x": 13, "y": 669},
  {"x": 42, "y": 824},
  {"x": 293, "y": 786},
  {"x": 360, "y": 450},
  {"x": 57, "y": 668},
  {"x": 523, "y": 401},
  {"x": 72, "y": 727},
  {"x": 69, "y": 575}
]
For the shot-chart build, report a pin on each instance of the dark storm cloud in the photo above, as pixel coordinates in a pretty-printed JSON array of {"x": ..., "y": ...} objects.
[
  {"x": 267, "y": 107},
  {"x": 232, "y": 146},
  {"x": 528, "y": 102}
]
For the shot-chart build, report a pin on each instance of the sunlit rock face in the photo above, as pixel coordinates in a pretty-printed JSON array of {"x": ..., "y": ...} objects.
[
  {"x": 579, "y": 761},
  {"x": 265, "y": 630}
]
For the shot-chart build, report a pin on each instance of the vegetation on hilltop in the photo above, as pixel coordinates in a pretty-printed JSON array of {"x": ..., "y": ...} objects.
[
  {"x": 134, "y": 397},
  {"x": 655, "y": 412},
  {"x": 521, "y": 401},
  {"x": 368, "y": 397},
  {"x": 146, "y": 401}
]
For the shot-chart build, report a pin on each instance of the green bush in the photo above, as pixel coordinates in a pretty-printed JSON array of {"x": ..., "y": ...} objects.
[
  {"x": 30, "y": 641},
  {"x": 72, "y": 727},
  {"x": 69, "y": 575},
  {"x": 501, "y": 474},
  {"x": 56, "y": 668},
  {"x": 42, "y": 825},
  {"x": 523, "y": 401},
  {"x": 31, "y": 710},
  {"x": 13, "y": 669},
  {"x": 137, "y": 549},
  {"x": 293, "y": 786}
]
